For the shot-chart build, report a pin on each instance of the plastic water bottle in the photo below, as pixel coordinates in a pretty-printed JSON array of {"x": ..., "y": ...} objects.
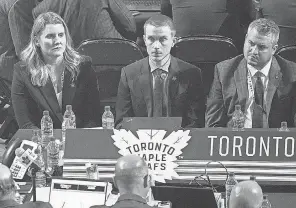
[
  {"x": 265, "y": 202},
  {"x": 284, "y": 126},
  {"x": 221, "y": 202},
  {"x": 69, "y": 122},
  {"x": 46, "y": 129},
  {"x": 53, "y": 149},
  {"x": 36, "y": 136},
  {"x": 108, "y": 118},
  {"x": 40, "y": 175},
  {"x": 230, "y": 183},
  {"x": 238, "y": 119}
]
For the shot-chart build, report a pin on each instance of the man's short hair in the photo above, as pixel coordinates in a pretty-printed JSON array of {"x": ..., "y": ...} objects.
[
  {"x": 266, "y": 27},
  {"x": 160, "y": 20}
]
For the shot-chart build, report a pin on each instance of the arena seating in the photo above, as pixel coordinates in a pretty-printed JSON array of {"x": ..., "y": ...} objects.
[
  {"x": 108, "y": 58},
  {"x": 205, "y": 51}
]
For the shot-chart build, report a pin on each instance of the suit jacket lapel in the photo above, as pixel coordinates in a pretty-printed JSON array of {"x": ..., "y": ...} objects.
[
  {"x": 275, "y": 77},
  {"x": 69, "y": 89},
  {"x": 173, "y": 81},
  {"x": 145, "y": 85},
  {"x": 240, "y": 78},
  {"x": 49, "y": 95}
]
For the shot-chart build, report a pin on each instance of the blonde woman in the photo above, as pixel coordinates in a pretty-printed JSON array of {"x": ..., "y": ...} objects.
[{"x": 52, "y": 75}]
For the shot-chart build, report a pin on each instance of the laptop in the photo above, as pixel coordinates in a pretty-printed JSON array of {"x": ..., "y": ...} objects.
[
  {"x": 158, "y": 123},
  {"x": 185, "y": 197}
]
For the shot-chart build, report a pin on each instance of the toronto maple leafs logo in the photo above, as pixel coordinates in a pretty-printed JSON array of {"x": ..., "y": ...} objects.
[{"x": 160, "y": 152}]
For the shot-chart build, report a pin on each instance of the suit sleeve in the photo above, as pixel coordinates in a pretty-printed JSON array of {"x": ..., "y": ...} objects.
[
  {"x": 124, "y": 102},
  {"x": 123, "y": 19},
  {"x": 195, "y": 114},
  {"x": 215, "y": 112},
  {"x": 20, "y": 97},
  {"x": 166, "y": 8},
  {"x": 92, "y": 107},
  {"x": 20, "y": 20}
]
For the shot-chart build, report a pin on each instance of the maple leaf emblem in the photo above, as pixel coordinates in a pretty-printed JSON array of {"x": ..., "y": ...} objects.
[{"x": 160, "y": 152}]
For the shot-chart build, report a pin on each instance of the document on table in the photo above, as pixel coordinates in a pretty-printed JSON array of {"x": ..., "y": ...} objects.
[{"x": 66, "y": 193}]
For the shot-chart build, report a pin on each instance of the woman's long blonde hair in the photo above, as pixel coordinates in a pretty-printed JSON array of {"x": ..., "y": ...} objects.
[{"x": 32, "y": 55}]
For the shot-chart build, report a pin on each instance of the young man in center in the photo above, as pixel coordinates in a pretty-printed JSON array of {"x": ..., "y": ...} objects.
[{"x": 161, "y": 85}]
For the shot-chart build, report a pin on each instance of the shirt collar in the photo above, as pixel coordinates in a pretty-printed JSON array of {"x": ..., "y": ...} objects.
[
  {"x": 264, "y": 70},
  {"x": 164, "y": 66},
  {"x": 131, "y": 196}
]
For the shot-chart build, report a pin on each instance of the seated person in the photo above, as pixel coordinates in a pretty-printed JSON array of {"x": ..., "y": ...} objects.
[
  {"x": 282, "y": 13},
  {"x": 161, "y": 85},
  {"x": 8, "y": 192},
  {"x": 87, "y": 19},
  {"x": 7, "y": 53},
  {"x": 52, "y": 75},
  {"x": 133, "y": 182},
  {"x": 263, "y": 84},
  {"x": 211, "y": 17},
  {"x": 247, "y": 194}
]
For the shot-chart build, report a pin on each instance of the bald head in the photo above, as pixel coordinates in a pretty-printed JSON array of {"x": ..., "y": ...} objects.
[
  {"x": 131, "y": 166},
  {"x": 246, "y": 194},
  {"x": 7, "y": 187},
  {"x": 131, "y": 175}
]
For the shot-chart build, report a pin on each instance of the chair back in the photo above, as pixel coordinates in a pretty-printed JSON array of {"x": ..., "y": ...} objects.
[
  {"x": 9, "y": 154},
  {"x": 287, "y": 52},
  {"x": 109, "y": 56},
  {"x": 205, "y": 51},
  {"x": 7, "y": 119}
]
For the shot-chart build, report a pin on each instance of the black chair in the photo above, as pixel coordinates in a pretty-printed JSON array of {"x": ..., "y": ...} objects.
[
  {"x": 287, "y": 52},
  {"x": 205, "y": 51},
  {"x": 9, "y": 153},
  {"x": 109, "y": 56},
  {"x": 9, "y": 124}
]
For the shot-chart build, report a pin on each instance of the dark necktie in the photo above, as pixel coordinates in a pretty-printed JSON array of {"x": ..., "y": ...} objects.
[
  {"x": 258, "y": 110},
  {"x": 158, "y": 92}
]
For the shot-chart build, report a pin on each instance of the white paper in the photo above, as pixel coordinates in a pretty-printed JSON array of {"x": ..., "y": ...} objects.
[{"x": 77, "y": 193}]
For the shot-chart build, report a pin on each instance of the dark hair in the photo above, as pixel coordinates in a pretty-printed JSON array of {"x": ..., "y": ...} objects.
[{"x": 160, "y": 20}]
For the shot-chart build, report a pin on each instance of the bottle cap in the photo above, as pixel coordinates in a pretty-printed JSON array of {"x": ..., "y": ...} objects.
[
  {"x": 252, "y": 178},
  {"x": 87, "y": 165},
  {"x": 57, "y": 141},
  {"x": 237, "y": 107},
  {"x": 68, "y": 107},
  {"x": 107, "y": 108},
  {"x": 46, "y": 113},
  {"x": 231, "y": 174}
]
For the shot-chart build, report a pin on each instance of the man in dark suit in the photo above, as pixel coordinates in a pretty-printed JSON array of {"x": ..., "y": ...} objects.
[
  {"x": 8, "y": 191},
  {"x": 211, "y": 17},
  {"x": 133, "y": 182},
  {"x": 20, "y": 22},
  {"x": 282, "y": 12},
  {"x": 7, "y": 54},
  {"x": 262, "y": 83},
  {"x": 161, "y": 85}
]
